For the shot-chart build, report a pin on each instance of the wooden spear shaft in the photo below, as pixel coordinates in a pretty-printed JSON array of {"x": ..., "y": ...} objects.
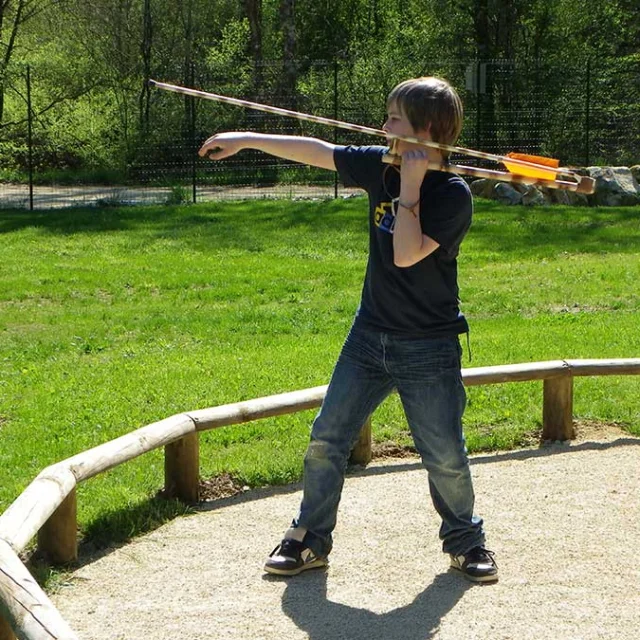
[{"x": 583, "y": 184}]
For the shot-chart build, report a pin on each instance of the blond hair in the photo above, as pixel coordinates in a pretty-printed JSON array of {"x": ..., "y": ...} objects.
[{"x": 430, "y": 102}]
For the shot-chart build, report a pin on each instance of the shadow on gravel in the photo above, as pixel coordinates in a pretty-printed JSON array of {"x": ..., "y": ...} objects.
[
  {"x": 555, "y": 448},
  {"x": 521, "y": 454},
  {"x": 305, "y": 602}
]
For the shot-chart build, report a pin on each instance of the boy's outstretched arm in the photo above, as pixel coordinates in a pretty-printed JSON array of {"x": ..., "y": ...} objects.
[{"x": 312, "y": 151}]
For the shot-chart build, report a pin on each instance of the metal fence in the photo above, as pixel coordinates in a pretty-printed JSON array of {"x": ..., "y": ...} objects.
[{"x": 583, "y": 113}]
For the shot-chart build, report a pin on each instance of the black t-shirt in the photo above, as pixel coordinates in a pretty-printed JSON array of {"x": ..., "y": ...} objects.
[{"x": 420, "y": 300}]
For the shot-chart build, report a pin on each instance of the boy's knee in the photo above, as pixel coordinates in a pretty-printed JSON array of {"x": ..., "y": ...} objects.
[
  {"x": 318, "y": 450},
  {"x": 322, "y": 450},
  {"x": 452, "y": 463}
]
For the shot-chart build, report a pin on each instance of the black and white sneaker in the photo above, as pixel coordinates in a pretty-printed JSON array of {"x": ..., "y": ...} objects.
[
  {"x": 291, "y": 557},
  {"x": 477, "y": 565}
]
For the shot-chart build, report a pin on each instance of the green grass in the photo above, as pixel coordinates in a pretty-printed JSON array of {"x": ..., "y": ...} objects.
[{"x": 113, "y": 318}]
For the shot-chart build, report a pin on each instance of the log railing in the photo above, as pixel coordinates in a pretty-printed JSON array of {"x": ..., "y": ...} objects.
[{"x": 47, "y": 507}]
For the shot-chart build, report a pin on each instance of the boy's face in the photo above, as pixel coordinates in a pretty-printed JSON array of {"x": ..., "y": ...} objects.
[{"x": 398, "y": 124}]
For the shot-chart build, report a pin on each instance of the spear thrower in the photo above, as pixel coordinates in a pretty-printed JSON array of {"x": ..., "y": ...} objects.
[{"x": 521, "y": 168}]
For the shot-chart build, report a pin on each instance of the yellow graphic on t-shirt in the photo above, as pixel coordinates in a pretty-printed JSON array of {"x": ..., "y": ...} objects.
[{"x": 384, "y": 217}]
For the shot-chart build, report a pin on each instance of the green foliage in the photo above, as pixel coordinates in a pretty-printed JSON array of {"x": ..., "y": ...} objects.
[
  {"x": 230, "y": 53},
  {"x": 93, "y": 111},
  {"x": 178, "y": 195}
]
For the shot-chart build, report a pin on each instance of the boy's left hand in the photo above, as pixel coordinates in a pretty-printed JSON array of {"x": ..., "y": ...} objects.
[{"x": 414, "y": 166}]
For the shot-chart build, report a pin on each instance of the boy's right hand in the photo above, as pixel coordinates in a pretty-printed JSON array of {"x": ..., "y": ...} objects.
[{"x": 223, "y": 145}]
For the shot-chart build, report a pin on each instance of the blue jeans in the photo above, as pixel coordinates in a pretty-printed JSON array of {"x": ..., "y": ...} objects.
[{"x": 426, "y": 374}]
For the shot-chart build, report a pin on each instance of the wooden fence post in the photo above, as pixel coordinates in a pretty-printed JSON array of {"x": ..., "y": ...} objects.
[
  {"x": 6, "y": 632},
  {"x": 361, "y": 452},
  {"x": 58, "y": 536},
  {"x": 182, "y": 469},
  {"x": 557, "y": 408}
]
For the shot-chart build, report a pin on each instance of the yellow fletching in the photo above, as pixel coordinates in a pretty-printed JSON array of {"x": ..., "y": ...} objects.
[{"x": 533, "y": 172}]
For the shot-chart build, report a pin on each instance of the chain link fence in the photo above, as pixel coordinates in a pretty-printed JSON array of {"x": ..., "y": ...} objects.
[{"x": 583, "y": 114}]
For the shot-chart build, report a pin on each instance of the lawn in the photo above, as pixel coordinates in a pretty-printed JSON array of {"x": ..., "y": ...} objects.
[{"x": 113, "y": 318}]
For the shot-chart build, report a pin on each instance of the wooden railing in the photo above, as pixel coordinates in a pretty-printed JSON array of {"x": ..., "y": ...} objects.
[{"x": 47, "y": 507}]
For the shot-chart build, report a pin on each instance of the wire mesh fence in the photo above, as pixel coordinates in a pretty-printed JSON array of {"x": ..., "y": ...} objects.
[{"x": 582, "y": 114}]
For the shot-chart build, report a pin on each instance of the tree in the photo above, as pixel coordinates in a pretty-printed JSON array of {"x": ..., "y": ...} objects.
[
  {"x": 288, "y": 28},
  {"x": 253, "y": 11},
  {"x": 14, "y": 14},
  {"x": 146, "y": 55}
]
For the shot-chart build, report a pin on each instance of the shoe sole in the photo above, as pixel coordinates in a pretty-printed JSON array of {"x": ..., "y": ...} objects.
[
  {"x": 492, "y": 578},
  {"x": 316, "y": 564}
]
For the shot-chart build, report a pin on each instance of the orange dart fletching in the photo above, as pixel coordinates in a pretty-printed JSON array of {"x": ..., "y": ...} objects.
[{"x": 533, "y": 172}]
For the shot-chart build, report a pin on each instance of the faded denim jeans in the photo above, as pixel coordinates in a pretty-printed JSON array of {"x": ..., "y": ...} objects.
[{"x": 426, "y": 374}]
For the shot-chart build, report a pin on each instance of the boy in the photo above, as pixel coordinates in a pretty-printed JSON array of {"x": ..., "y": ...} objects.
[{"x": 405, "y": 334}]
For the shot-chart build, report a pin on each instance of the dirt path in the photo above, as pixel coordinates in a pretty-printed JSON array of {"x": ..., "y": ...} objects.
[
  {"x": 56, "y": 196},
  {"x": 564, "y": 521}
]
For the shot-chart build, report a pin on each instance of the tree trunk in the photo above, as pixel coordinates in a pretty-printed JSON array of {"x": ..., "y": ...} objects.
[
  {"x": 288, "y": 85},
  {"x": 485, "y": 53},
  {"x": 188, "y": 66},
  {"x": 147, "y": 39},
  {"x": 8, "y": 46},
  {"x": 253, "y": 11}
]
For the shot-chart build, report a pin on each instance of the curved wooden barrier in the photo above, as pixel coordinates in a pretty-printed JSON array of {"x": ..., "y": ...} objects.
[{"x": 47, "y": 507}]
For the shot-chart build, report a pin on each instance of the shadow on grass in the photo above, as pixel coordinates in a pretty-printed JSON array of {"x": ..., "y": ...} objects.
[
  {"x": 525, "y": 230},
  {"x": 257, "y": 224},
  {"x": 95, "y": 220},
  {"x": 277, "y": 213},
  {"x": 247, "y": 226}
]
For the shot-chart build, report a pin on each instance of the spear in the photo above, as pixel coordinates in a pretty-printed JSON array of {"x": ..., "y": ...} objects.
[{"x": 521, "y": 168}]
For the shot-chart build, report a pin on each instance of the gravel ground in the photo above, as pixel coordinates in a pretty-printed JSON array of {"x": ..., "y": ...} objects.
[
  {"x": 56, "y": 196},
  {"x": 564, "y": 521}
]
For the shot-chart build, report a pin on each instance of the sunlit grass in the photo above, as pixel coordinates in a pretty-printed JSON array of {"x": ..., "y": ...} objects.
[{"x": 111, "y": 319}]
